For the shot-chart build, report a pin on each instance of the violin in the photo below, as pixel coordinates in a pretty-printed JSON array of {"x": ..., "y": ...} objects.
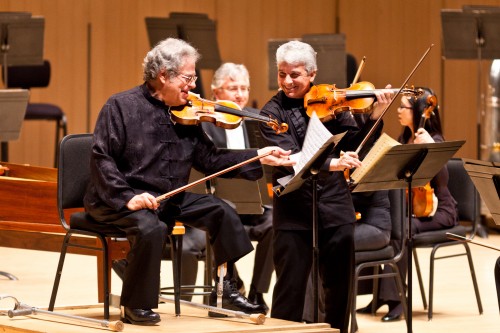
[
  {"x": 423, "y": 196},
  {"x": 326, "y": 100},
  {"x": 225, "y": 114}
]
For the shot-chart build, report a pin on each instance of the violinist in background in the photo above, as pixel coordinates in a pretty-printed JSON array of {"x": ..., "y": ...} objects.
[
  {"x": 293, "y": 214},
  {"x": 139, "y": 153},
  {"x": 231, "y": 82},
  {"x": 412, "y": 113}
]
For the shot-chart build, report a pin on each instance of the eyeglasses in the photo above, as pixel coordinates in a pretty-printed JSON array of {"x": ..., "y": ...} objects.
[
  {"x": 188, "y": 79},
  {"x": 293, "y": 75},
  {"x": 235, "y": 89}
]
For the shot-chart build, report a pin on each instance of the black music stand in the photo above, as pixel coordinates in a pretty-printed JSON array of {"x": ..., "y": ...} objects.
[
  {"x": 21, "y": 43},
  {"x": 472, "y": 33},
  {"x": 410, "y": 165},
  {"x": 246, "y": 196},
  {"x": 486, "y": 178}
]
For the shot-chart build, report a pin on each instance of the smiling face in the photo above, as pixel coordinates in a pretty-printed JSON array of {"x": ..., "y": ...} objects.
[
  {"x": 174, "y": 90},
  {"x": 236, "y": 90},
  {"x": 294, "y": 80}
]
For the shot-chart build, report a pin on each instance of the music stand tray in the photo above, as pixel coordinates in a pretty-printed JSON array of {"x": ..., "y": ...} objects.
[
  {"x": 13, "y": 103},
  {"x": 388, "y": 172},
  {"x": 486, "y": 177}
]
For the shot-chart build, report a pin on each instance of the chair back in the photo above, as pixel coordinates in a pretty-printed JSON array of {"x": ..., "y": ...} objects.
[
  {"x": 30, "y": 76},
  {"x": 73, "y": 173},
  {"x": 463, "y": 190}
]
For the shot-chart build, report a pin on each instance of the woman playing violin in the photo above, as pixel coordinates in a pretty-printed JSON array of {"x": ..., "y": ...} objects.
[
  {"x": 421, "y": 124},
  {"x": 411, "y": 114},
  {"x": 292, "y": 213}
]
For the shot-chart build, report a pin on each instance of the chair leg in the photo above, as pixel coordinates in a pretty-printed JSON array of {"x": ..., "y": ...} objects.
[
  {"x": 419, "y": 276},
  {"x": 176, "y": 238},
  {"x": 474, "y": 280},
  {"x": 208, "y": 267},
  {"x": 375, "y": 289},
  {"x": 57, "y": 278},
  {"x": 401, "y": 291},
  {"x": 8, "y": 276},
  {"x": 106, "y": 277}
]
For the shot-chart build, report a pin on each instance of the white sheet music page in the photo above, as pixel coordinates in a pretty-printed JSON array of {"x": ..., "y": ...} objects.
[{"x": 317, "y": 139}]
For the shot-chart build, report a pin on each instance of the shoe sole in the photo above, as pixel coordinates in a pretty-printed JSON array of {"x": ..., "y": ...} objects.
[{"x": 141, "y": 323}]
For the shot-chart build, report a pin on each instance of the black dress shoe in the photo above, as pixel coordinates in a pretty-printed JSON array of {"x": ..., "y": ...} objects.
[
  {"x": 395, "y": 312},
  {"x": 233, "y": 300},
  {"x": 145, "y": 317},
  {"x": 368, "y": 309},
  {"x": 257, "y": 298}
]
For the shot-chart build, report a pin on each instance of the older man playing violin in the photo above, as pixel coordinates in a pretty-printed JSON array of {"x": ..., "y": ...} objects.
[
  {"x": 138, "y": 153},
  {"x": 293, "y": 212}
]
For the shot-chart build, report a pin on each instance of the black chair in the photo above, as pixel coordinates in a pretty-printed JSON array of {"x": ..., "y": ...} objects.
[
  {"x": 111, "y": 243},
  {"x": 463, "y": 190},
  {"x": 388, "y": 255},
  {"x": 72, "y": 179},
  {"x": 27, "y": 77}
]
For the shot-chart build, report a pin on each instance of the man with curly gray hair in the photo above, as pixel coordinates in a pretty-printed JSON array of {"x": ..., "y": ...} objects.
[{"x": 139, "y": 153}]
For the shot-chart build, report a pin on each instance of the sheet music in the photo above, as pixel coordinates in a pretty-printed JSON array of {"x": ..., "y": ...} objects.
[
  {"x": 381, "y": 146},
  {"x": 317, "y": 139}
]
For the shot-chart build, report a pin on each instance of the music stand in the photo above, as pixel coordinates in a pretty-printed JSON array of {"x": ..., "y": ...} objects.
[
  {"x": 486, "y": 178},
  {"x": 21, "y": 44},
  {"x": 472, "y": 33},
  {"x": 246, "y": 196},
  {"x": 408, "y": 166}
]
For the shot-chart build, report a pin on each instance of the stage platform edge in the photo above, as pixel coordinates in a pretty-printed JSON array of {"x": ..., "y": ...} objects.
[{"x": 192, "y": 320}]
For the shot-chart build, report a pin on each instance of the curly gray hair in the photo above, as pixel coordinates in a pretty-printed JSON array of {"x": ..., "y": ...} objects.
[
  {"x": 168, "y": 55},
  {"x": 296, "y": 52}
]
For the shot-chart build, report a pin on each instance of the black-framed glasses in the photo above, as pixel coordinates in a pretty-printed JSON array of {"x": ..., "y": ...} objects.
[{"x": 188, "y": 79}]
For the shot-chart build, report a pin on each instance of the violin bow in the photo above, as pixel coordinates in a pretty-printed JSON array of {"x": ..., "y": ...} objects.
[
  {"x": 469, "y": 240},
  {"x": 360, "y": 69},
  {"x": 372, "y": 130},
  {"x": 204, "y": 179}
]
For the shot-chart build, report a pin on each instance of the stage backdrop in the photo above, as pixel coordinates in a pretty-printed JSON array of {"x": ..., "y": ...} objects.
[{"x": 96, "y": 49}]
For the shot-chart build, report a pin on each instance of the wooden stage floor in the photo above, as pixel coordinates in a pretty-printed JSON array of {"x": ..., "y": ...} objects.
[
  {"x": 191, "y": 321},
  {"x": 455, "y": 308}
]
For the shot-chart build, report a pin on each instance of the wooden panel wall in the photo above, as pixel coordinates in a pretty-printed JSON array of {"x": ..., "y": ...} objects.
[{"x": 96, "y": 49}]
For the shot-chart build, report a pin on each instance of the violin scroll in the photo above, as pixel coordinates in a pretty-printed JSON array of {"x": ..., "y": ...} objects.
[{"x": 278, "y": 128}]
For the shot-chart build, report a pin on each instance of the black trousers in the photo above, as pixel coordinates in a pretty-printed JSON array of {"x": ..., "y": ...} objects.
[
  {"x": 258, "y": 227},
  {"x": 293, "y": 262},
  {"x": 147, "y": 231}
]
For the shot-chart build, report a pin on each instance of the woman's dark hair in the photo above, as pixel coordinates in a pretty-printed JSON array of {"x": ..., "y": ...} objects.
[{"x": 418, "y": 105}]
